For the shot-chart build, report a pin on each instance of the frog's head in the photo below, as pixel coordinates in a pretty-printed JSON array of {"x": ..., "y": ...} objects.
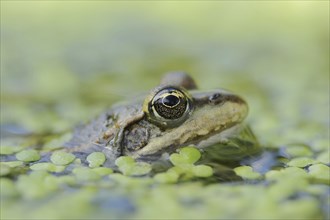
[{"x": 179, "y": 117}]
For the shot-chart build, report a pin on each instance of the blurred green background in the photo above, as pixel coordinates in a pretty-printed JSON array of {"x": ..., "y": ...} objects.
[{"x": 62, "y": 63}]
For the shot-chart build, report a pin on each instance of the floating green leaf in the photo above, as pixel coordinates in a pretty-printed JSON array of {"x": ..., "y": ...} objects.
[
  {"x": 38, "y": 184},
  {"x": 247, "y": 172},
  {"x": 6, "y": 150},
  {"x": 62, "y": 158},
  {"x": 286, "y": 173},
  {"x": 129, "y": 167},
  {"x": 96, "y": 159},
  {"x": 324, "y": 157},
  {"x": 187, "y": 155},
  {"x": 4, "y": 169},
  {"x": 298, "y": 150},
  {"x": 7, "y": 188},
  {"x": 12, "y": 163},
  {"x": 320, "y": 172},
  {"x": 28, "y": 155},
  {"x": 86, "y": 174},
  {"x": 124, "y": 161},
  {"x": 301, "y": 162},
  {"x": 202, "y": 171},
  {"x": 167, "y": 177},
  {"x": 47, "y": 167},
  {"x": 190, "y": 154},
  {"x": 103, "y": 171}
]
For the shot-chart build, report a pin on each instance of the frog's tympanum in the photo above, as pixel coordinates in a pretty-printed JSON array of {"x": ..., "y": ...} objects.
[{"x": 174, "y": 114}]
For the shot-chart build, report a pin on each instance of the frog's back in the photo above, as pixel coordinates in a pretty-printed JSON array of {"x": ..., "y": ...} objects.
[
  {"x": 85, "y": 137},
  {"x": 99, "y": 134}
]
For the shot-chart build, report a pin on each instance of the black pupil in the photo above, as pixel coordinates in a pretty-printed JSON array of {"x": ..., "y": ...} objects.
[
  {"x": 171, "y": 100},
  {"x": 170, "y": 105}
]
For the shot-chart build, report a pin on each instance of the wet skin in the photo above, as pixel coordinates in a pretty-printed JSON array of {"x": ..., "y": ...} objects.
[{"x": 174, "y": 114}]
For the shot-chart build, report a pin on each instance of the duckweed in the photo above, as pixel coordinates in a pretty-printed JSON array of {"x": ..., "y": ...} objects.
[
  {"x": 298, "y": 150},
  {"x": 286, "y": 173},
  {"x": 96, "y": 159},
  {"x": 47, "y": 167},
  {"x": 301, "y": 162},
  {"x": 320, "y": 172},
  {"x": 184, "y": 164},
  {"x": 304, "y": 208},
  {"x": 282, "y": 190},
  {"x": 247, "y": 172},
  {"x": 129, "y": 167},
  {"x": 7, "y": 188},
  {"x": 324, "y": 157},
  {"x": 187, "y": 155},
  {"x": 182, "y": 169},
  {"x": 167, "y": 177},
  {"x": 176, "y": 159},
  {"x": 202, "y": 171},
  {"x": 321, "y": 144},
  {"x": 62, "y": 158},
  {"x": 28, "y": 155},
  {"x": 12, "y": 163},
  {"x": 4, "y": 170},
  {"x": 66, "y": 180},
  {"x": 140, "y": 168},
  {"x": 103, "y": 171},
  {"x": 124, "y": 161},
  {"x": 86, "y": 174},
  {"x": 273, "y": 200},
  {"x": 7, "y": 150},
  {"x": 37, "y": 184},
  {"x": 131, "y": 182}
]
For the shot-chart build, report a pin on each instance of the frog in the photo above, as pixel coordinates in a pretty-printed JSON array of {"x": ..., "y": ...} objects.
[{"x": 172, "y": 115}]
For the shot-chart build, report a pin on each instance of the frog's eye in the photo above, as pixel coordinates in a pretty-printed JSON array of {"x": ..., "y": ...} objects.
[{"x": 168, "y": 107}]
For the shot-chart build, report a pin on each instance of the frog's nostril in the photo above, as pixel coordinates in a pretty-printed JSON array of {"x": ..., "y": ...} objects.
[{"x": 214, "y": 97}]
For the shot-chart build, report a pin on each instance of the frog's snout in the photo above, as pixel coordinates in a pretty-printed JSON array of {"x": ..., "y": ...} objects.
[
  {"x": 229, "y": 104},
  {"x": 218, "y": 98}
]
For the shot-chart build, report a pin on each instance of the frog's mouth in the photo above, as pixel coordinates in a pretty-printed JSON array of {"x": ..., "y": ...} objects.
[{"x": 199, "y": 142}]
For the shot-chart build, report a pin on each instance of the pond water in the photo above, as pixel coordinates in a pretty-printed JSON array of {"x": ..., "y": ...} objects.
[{"x": 62, "y": 65}]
